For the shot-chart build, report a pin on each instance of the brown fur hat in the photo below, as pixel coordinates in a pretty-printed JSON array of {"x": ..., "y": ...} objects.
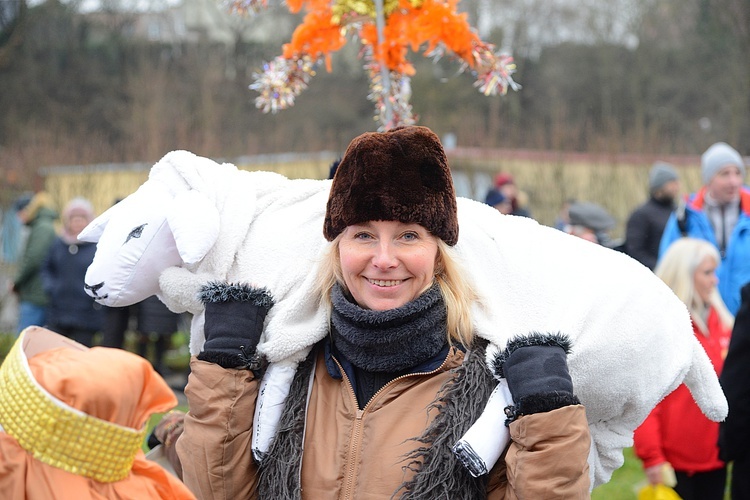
[{"x": 398, "y": 175}]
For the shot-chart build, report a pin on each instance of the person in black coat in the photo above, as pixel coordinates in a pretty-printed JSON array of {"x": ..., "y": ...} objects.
[
  {"x": 154, "y": 326},
  {"x": 734, "y": 432},
  {"x": 646, "y": 223},
  {"x": 70, "y": 311}
]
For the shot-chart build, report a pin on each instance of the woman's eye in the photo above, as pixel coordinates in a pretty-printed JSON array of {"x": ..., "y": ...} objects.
[
  {"x": 410, "y": 236},
  {"x": 135, "y": 233},
  {"x": 362, "y": 236}
]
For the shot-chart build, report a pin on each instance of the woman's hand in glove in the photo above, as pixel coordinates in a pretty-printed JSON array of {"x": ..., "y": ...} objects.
[
  {"x": 234, "y": 316},
  {"x": 536, "y": 369}
]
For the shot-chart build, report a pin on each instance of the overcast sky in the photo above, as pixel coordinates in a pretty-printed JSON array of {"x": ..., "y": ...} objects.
[{"x": 127, "y": 5}]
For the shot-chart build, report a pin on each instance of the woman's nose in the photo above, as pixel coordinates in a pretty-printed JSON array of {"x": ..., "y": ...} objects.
[{"x": 385, "y": 255}]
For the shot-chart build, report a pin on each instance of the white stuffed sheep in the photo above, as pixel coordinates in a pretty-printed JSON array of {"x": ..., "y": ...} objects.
[{"x": 195, "y": 220}]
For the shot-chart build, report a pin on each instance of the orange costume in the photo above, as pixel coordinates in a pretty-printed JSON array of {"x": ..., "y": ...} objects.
[{"x": 73, "y": 420}]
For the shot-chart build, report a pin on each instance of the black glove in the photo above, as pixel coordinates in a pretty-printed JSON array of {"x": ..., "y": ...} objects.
[
  {"x": 536, "y": 370},
  {"x": 234, "y": 322}
]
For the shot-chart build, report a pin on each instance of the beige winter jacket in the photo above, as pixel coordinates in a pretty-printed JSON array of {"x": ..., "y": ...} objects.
[{"x": 358, "y": 454}]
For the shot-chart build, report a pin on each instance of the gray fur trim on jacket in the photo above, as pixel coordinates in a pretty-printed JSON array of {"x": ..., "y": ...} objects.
[
  {"x": 218, "y": 292},
  {"x": 534, "y": 338}
]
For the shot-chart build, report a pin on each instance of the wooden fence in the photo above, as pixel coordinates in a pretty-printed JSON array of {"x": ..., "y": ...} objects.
[
  {"x": 617, "y": 182},
  {"x": 103, "y": 184}
]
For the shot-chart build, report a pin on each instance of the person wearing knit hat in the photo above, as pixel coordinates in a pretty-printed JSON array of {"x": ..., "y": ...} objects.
[
  {"x": 505, "y": 184},
  {"x": 660, "y": 174},
  {"x": 377, "y": 406},
  {"x": 719, "y": 212},
  {"x": 70, "y": 310},
  {"x": 718, "y": 157},
  {"x": 73, "y": 421},
  {"x": 498, "y": 201},
  {"x": 590, "y": 221},
  {"x": 646, "y": 222},
  {"x": 75, "y": 216},
  {"x": 39, "y": 215}
]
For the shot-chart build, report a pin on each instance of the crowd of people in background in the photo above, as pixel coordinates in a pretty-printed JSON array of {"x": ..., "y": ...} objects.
[
  {"x": 698, "y": 245},
  {"x": 49, "y": 285},
  {"x": 70, "y": 310}
]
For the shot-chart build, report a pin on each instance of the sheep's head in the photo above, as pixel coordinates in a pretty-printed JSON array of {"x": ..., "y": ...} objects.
[{"x": 141, "y": 236}]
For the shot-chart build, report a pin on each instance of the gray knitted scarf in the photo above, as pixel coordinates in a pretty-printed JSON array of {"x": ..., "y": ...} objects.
[{"x": 392, "y": 340}]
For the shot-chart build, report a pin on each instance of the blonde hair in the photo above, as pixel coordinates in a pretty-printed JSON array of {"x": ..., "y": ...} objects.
[
  {"x": 677, "y": 269},
  {"x": 458, "y": 294}
]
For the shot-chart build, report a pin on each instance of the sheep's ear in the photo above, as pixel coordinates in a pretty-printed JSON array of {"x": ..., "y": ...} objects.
[
  {"x": 95, "y": 228},
  {"x": 194, "y": 221}
]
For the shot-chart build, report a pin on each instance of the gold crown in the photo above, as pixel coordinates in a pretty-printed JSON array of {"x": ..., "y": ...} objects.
[{"x": 58, "y": 434}]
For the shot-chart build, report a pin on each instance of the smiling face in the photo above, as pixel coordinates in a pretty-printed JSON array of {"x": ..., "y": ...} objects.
[
  {"x": 705, "y": 278},
  {"x": 386, "y": 264}
]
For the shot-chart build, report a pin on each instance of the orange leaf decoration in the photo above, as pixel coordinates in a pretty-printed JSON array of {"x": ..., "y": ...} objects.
[
  {"x": 429, "y": 26},
  {"x": 312, "y": 5},
  {"x": 316, "y": 37}
]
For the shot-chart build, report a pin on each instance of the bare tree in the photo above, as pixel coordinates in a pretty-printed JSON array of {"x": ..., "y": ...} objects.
[
  {"x": 735, "y": 15},
  {"x": 12, "y": 20}
]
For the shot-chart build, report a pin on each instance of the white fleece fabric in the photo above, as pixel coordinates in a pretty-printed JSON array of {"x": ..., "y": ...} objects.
[
  {"x": 632, "y": 337},
  {"x": 262, "y": 229}
]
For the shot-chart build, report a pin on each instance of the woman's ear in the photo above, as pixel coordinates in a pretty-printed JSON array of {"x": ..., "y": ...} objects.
[
  {"x": 439, "y": 267},
  {"x": 439, "y": 262}
]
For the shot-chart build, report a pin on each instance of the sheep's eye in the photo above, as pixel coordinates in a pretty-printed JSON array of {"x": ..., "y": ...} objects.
[{"x": 135, "y": 233}]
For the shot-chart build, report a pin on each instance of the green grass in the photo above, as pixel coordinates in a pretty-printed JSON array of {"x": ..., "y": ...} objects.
[
  {"x": 625, "y": 481},
  {"x": 155, "y": 419},
  {"x": 6, "y": 342}
]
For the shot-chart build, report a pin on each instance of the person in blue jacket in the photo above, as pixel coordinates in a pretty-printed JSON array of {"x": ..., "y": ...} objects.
[{"x": 719, "y": 213}]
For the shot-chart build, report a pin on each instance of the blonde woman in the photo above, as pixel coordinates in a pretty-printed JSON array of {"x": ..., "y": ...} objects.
[
  {"x": 375, "y": 409},
  {"x": 676, "y": 432}
]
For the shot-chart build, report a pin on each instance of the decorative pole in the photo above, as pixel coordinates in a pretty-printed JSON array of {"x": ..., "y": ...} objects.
[
  {"x": 385, "y": 73},
  {"x": 434, "y": 27}
]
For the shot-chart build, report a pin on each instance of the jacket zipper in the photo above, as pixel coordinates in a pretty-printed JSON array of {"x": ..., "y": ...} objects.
[
  {"x": 354, "y": 444},
  {"x": 354, "y": 448}
]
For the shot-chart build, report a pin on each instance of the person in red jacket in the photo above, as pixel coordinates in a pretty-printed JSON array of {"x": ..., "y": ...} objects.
[{"x": 676, "y": 432}]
